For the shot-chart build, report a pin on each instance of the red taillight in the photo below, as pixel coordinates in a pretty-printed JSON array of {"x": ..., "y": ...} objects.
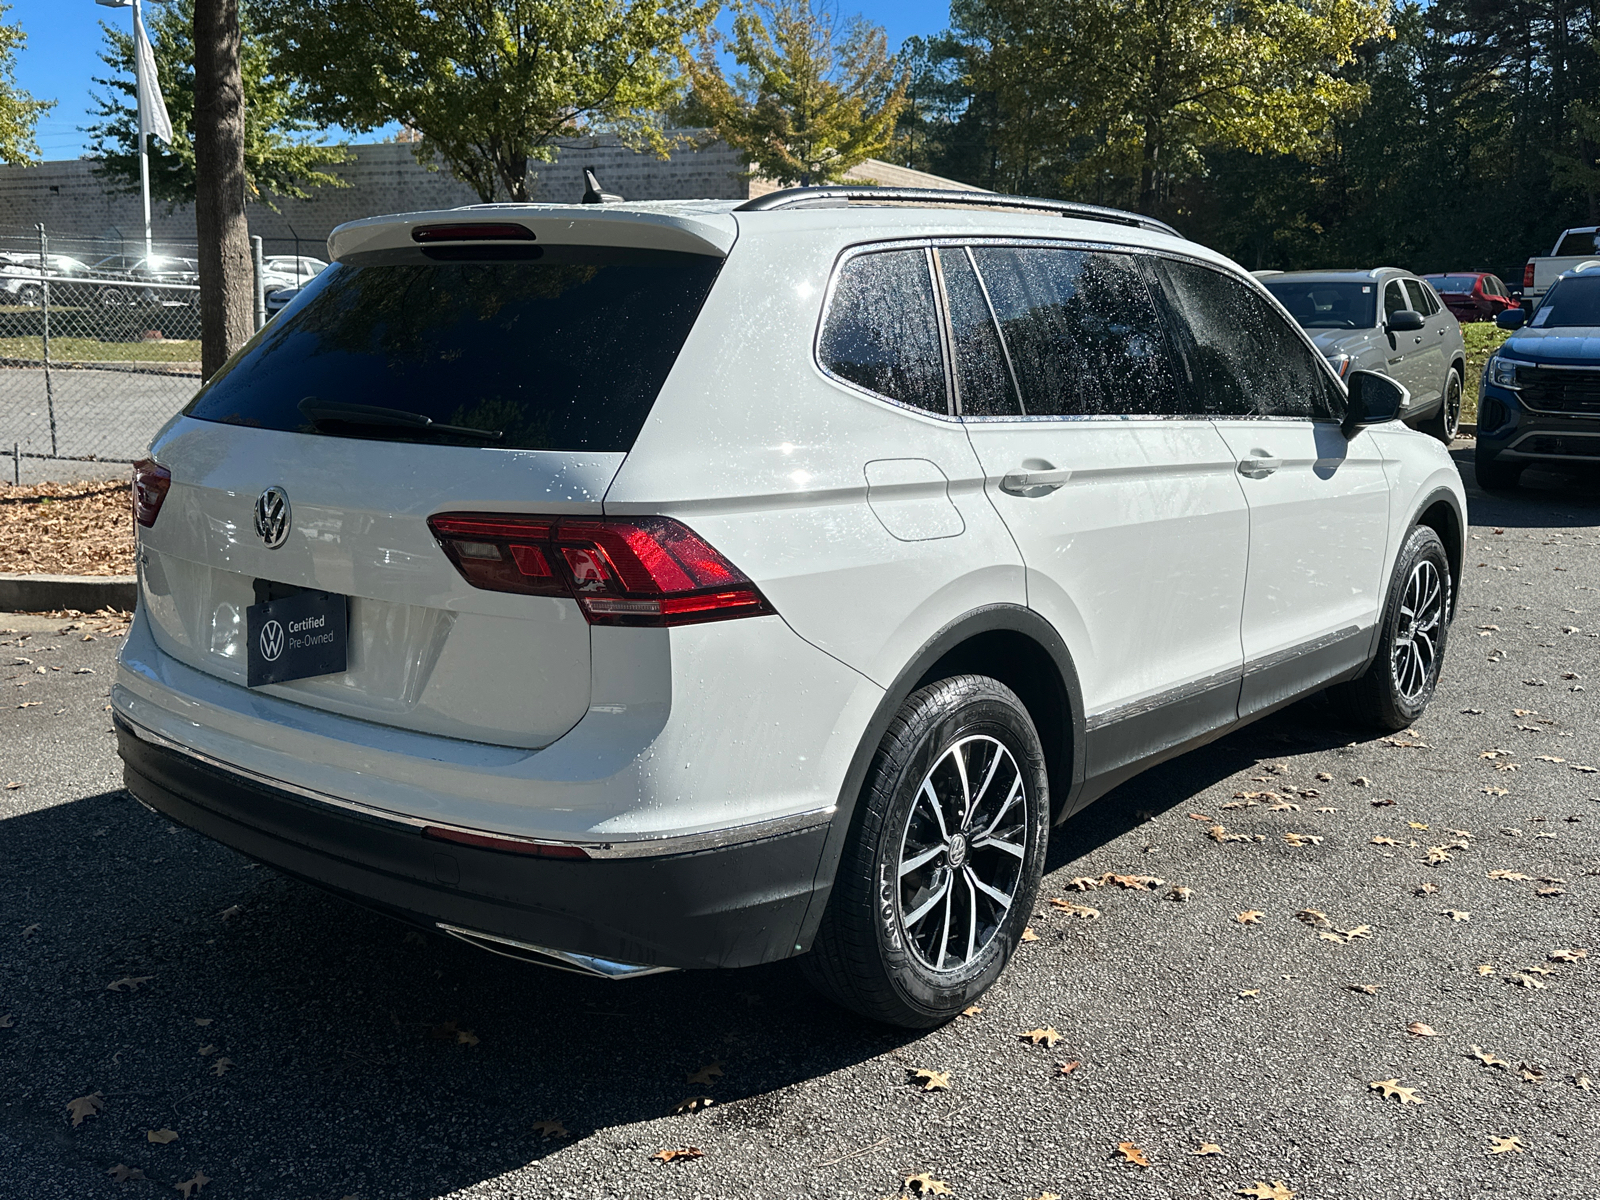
[
  {"x": 621, "y": 570},
  {"x": 150, "y": 483},
  {"x": 472, "y": 232},
  {"x": 1527, "y": 276},
  {"x": 490, "y": 841}
]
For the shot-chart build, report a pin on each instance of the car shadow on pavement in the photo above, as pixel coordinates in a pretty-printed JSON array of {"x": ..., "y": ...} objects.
[
  {"x": 1548, "y": 497},
  {"x": 302, "y": 1046}
]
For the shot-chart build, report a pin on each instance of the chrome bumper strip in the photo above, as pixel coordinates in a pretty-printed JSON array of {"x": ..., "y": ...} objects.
[
  {"x": 652, "y": 847},
  {"x": 561, "y": 960}
]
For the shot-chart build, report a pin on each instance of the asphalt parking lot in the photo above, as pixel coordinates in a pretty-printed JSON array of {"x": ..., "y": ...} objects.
[{"x": 298, "y": 1047}]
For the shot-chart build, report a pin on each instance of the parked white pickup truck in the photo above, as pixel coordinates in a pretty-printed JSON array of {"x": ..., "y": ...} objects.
[{"x": 1573, "y": 247}]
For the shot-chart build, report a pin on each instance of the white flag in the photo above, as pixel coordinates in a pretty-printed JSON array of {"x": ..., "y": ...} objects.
[{"x": 152, "y": 108}]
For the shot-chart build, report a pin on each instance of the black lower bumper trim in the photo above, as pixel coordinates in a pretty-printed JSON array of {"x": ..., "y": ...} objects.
[{"x": 730, "y": 907}]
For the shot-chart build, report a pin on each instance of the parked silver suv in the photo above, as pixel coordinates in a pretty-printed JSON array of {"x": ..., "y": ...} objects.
[{"x": 1384, "y": 320}]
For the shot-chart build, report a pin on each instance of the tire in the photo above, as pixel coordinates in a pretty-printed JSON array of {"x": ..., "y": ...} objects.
[
  {"x": 887, "y": 947},
  {"x": 1395, "y": 689},
  {"x": 1446, "y": 423},
  {"x": 30, "y": 294},
  {"x": 1495, "y": 475}
]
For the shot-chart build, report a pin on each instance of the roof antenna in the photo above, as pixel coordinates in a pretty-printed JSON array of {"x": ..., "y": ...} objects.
[{"x": 593, "y": 193}]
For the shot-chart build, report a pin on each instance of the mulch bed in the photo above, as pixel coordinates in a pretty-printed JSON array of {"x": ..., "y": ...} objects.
[{"x": 66, "y": 528}]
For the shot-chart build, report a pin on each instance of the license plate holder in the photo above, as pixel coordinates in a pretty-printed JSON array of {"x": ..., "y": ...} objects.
[{"x": 297, "y": 637}]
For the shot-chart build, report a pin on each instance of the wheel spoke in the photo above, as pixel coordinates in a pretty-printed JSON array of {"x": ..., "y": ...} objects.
[
  {"x": 972, "y": 922},
  {"x": 999, "y": 897},
  {"x": 966, "y": 786},
  {"x": 983, "y": 788},
  {"x": 994, "y": 843},
  {"x": 944, "y": 934},
  {"x": 938, "y": 809},
  {"x": 927, "y": 856},
  {"x": 1011, "y": 798},
  {"x": 923, "y": 909}
]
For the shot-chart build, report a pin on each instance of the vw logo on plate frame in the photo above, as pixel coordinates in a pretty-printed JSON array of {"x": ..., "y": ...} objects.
[
  {"x": 273, "y": 517},
  {"x": 272, "y": 641}
]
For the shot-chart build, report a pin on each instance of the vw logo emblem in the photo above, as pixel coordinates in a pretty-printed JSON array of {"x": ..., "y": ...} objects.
[
  {"x": 271, "y": 641},
  {"x": 272, "y": 517}
]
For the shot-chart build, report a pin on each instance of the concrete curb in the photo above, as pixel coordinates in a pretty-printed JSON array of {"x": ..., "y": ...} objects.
[{"x": 51, "y": 593}]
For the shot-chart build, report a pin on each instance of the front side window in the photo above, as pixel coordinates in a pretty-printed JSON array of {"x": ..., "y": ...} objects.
[
  {"x": 1394, "y": 300},
  {"x": 1084, "y": 335},
  {"x": 1245, "y": 358},
  {"x": 882, "y": 333}
]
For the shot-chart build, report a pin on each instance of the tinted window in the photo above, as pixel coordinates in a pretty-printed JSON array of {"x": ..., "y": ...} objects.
[
  {"x": 1394, "y": 300},
  {"x": 1084, "y": 335},
  {"x": 882, "y": 331},
  {"x": 1578, "y": 243},
  {"x": 566, "y": 352},
  {"x": 1458, "y": 283},
  {"x": 1570, "y": 302},
  {"x": 983, "y": 380},
  {"x": 1420, "y": 300},
  {"x": 1245, "y": 358},
  {"x": 1318, "y": 305}
]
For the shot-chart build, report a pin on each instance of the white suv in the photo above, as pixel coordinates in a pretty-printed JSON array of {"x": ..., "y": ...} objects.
[{"x": 648, "y": 586}]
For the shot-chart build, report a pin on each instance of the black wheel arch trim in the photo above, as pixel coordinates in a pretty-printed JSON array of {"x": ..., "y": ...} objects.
[
  {"x": 1456, "y": 554},
  {"x": 1067, "y": 742}
]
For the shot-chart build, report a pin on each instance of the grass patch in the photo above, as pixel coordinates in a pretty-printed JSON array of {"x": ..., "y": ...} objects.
[
  {"x": 1483, "y": 338},
  {"x": 75, "y": 349}
]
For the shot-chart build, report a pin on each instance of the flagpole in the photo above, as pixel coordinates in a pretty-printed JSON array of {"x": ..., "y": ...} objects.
[{"x": 144, "y": 152}]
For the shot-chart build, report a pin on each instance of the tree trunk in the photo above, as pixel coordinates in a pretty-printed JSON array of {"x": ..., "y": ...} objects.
[
  {"x": 1149, "y": 171},
  {"x": 226, "y": 306}
]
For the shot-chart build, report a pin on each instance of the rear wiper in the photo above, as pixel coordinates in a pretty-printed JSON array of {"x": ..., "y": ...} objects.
[{"x": 318, "y": 411}]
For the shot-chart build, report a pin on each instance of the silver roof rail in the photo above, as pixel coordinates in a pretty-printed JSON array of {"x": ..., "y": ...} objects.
[{"x": 841, "y": 197}]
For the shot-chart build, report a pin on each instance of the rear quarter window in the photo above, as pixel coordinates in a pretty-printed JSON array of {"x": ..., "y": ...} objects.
[
  {"x": 563, "y": 351},
  {"x": 881, "y": 331}
]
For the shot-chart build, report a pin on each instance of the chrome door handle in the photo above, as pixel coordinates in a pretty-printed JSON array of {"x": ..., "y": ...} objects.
[
  {"x": 1258, "y": 468},
  {"x": 1033, "y": 483}
]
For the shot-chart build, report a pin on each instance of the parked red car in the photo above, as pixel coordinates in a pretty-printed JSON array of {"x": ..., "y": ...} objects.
[{"x": 1472, "y": 295}]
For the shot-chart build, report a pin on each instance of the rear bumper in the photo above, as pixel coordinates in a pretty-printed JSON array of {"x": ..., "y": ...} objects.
[{"x": 731, "y": 906}]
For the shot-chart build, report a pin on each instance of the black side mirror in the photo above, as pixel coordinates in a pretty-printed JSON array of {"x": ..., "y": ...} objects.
[
  {"x": 1374, "y": 399},
  {"x": 1511, "y": 318},
  {"x": 1406, "y": 320}
]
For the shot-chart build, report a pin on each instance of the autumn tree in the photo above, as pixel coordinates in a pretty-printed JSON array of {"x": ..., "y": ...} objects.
[
  {"x": 815, "y": 95},
  {"x": 490, "y": 85},
  {"x": 19, "y": 111},
  {"x": 1141, "y": 89},
  {"x": 282, "y": 155}
]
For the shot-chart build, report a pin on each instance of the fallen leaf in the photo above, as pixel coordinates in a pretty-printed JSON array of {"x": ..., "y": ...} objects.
[
  {"x": 85, "y": 1107},
  {"x": 1131, "y": 1153},
  {"x": 1301, "y": 839},
  {"x": 932, "y": 1081},
  {"x": 1487, "y": 1059},
  {"x": 1568, "y": 956},
  {"x": 128, "y": 981},
  {"x": 220, "y": 1067},
  {"x": 1515, "y": 876},
  {"x": 1028, "y": 935},
  {"x": 1541, "y": 969},
  {"x": 451, "y": 1032},
  {"x": 1528, "y": 981},
  {"x": 1393, "y": 1091},
  {"x": 1385, "y": 841},
  {"x": 1437, "y": 854},
  {"x": 1491, "y": 790},
  {"x": 1425, "y": 889},
  {"x": 692, "y": 1104},
  {"x": 705, "y": 1074},
  {"x": 1067, "y": 1068},
  {"x": 1219, "y": 834},
  {"x": 1418, "y": 1029},
  {"x": 667, "y": 1156},
  {"x": 1531, "y": 1073},
  {"x": 1582, "y": 1081},
  {"x": 13, "y": 786},
  {"x": 193, "y": 1184},
  {"x": 1205, "y": 1150},
  {"x": 925, "y": 1185},
  {"x": 1505, "y": 1145},
  {"x": 1324, "y": 777},
  {"x": 550, "y": 1129},
  {"x": 1313, "y": 916},
  {"x": 1549, "y": 758},
  {"x": 204, "y": 1020},
  {"x": 1361, "y": 781},
  {"x": 1485, "y": 969},
  {"x": 1198, "y": 817},
  {"x": 1249, "y": 917},
  {"x": 1250, "y": 994},
  {"x": 1141, "y": 883},
  {"x": 205, "y": 1050},
  {"x": 1276, "y": 1190},
  {"x": 161, "y": 1136},
  {"x": 1083, "y": 883},
  {"x": 1180, "y": 894},
  {"x": 1455, "y": 914},
  {"x": 121, "y": 1173},
  {"x": 1082, "y": 911},
  {"x": 972, "y": 1010},
  {"x": 1283, "y": 806},
  {"x": 1041, "y": 1037}
]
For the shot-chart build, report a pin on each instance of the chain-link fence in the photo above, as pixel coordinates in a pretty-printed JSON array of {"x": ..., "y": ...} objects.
[{"x": 99, "y": 345}]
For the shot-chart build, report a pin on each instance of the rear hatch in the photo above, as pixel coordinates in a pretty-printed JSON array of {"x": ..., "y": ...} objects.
[{"x": 486, "y": 361}]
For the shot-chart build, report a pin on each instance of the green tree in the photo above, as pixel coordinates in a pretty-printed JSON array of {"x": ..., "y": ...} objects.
[
  {"x": 19, "y": 111},
  {"x": 1137, "y": 91},
  {"x": 491, "y": 84},
  {"x": 816, "y": 95},
  {"x": 281, "y": 156}
]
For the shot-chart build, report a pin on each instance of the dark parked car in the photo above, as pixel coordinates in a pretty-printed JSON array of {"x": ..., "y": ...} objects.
[
  {"x": 1472, "y": 295},
  {"x": 121, "y": 270},
  {"x": 1539, "y": 398}
]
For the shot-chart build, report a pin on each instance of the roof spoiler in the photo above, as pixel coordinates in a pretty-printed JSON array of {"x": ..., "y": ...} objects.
[{"x": 842, "y": 197}]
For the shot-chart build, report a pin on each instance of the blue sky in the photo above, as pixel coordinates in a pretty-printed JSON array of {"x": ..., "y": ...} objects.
[{"x": 64, "y": 44}]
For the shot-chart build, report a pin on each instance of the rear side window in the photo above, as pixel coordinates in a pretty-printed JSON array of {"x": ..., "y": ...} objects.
[
  {"x": 1420, "y": 300},
  {"x": 1083, "y": 334},
  {"x": 565, "y": 351},
  {"x": 882, "y": 333},
  {"x": 1245, "y": 358},
  {"x": 983, "y": 379}
]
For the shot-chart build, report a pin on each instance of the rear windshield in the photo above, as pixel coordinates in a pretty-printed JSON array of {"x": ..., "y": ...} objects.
[
  {"x": 1326, "y": 305},
  {"x": 1578, "y": 241},
  {"x": 1569, "y": 303},
  {"x": 561, "y": 348},
  {"x": 1452, "y": 283}
]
